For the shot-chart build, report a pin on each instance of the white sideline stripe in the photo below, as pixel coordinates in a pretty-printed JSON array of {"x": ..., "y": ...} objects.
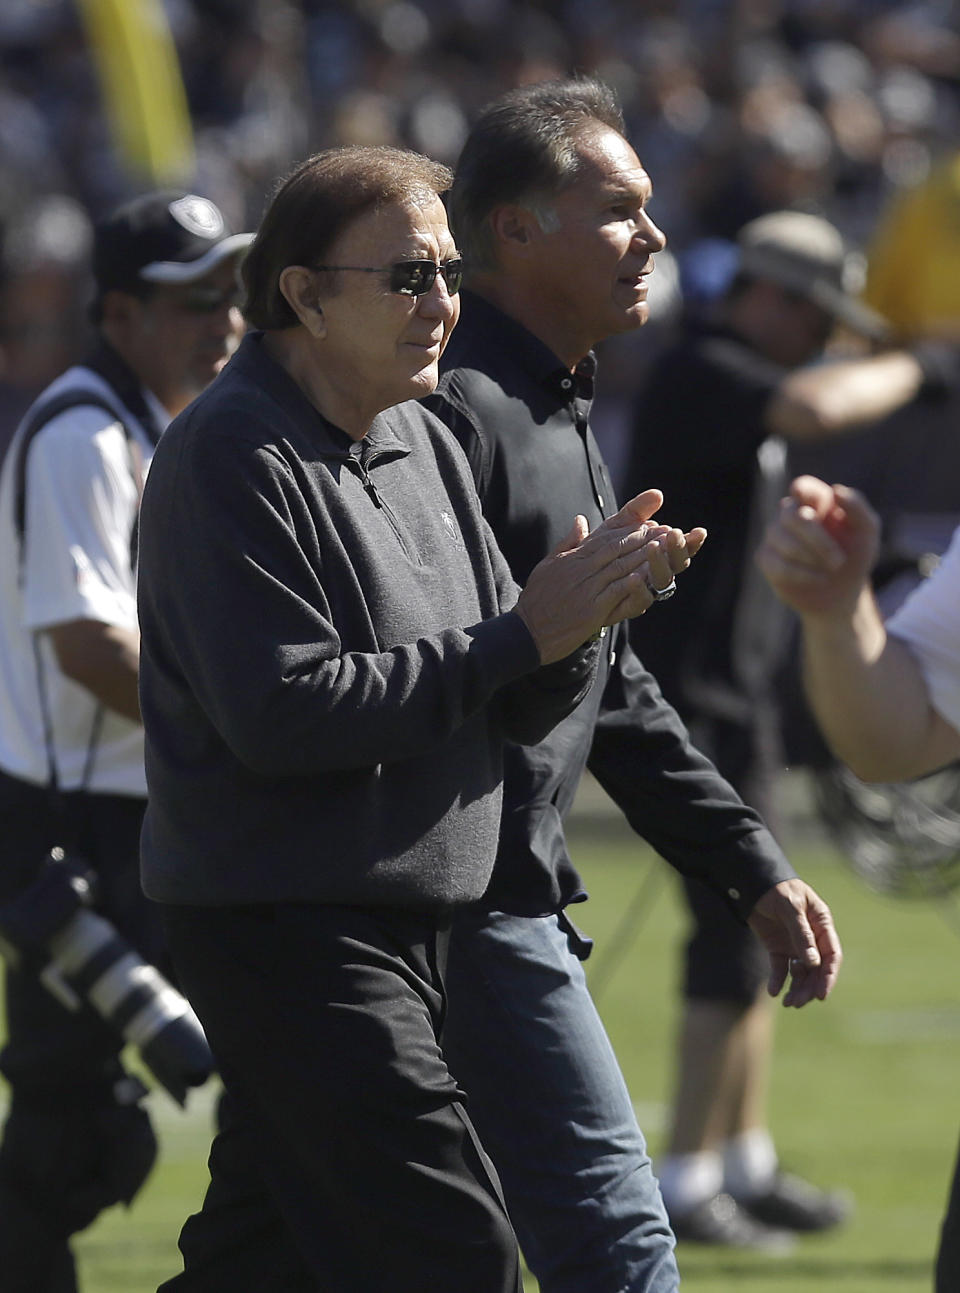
[{"x": 911, "y": 1023}]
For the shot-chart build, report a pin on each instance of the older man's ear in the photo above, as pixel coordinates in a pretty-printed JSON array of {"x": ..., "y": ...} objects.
[{"x": 298, "y": 285}]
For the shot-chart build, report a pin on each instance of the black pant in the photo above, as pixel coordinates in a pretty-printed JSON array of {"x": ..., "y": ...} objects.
[
  {"x": 345, "y": 1161},
  {"x": 69, "y": 1148},
  {"x": 948, "y": 1253}
]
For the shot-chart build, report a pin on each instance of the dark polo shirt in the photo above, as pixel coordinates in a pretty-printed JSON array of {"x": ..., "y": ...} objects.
[{"x": 523, "y": 421}]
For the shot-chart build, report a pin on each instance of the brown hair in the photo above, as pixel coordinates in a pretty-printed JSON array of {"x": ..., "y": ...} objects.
[{"x": 315, "y": 204}]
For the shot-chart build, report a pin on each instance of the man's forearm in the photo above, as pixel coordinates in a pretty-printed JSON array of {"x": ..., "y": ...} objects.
[
  {"x": 868, "y": 694},
  {"x": 827, "y": 399}
]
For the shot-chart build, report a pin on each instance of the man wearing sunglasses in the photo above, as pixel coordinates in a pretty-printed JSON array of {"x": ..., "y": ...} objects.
[
  {"x": 71, "y": 744},
  {"x": 334, "y": 656},
  {"x": 549, "y": 207}
]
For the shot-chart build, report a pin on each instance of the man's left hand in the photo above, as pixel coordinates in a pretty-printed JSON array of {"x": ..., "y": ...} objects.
[
  {"x": 796, "y": 927},
  {"x": 668, "y": 550}
]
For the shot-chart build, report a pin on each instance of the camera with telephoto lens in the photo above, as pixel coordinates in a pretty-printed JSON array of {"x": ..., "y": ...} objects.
[{"x": 87, "y": 960}]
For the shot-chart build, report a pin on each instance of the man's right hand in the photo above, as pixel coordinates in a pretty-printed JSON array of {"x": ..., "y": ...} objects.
[
  {"x": 818, "y": 553},
  {"x": 796, "y": 927},
  {"x": 591, "y": 581}
]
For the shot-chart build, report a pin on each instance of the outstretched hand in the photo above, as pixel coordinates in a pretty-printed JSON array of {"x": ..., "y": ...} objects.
[
  {"x": 818, "y": 551},
  {"x": 796, "y": 927}
]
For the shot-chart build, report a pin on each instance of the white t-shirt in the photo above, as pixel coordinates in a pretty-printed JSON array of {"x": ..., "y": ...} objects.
[
  {"x": 929, "y": 622},
  {"x": 81, "y": 501}
]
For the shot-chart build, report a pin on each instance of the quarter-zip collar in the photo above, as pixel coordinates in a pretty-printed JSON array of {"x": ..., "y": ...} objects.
[{"x": 330, "y": 441}]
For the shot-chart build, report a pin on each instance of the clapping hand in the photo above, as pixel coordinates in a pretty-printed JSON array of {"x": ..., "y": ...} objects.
[{"x": 593, "y": 580}]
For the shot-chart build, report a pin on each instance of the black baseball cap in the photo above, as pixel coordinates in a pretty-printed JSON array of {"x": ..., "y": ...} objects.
[{"x": 165, "y": 237}]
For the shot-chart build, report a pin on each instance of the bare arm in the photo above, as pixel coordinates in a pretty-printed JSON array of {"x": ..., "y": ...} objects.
[
  {"x": 866, "y": 688},
  {"x": 831, "y": 398},
  {"x": 870, "y": 698},
  {"x": 102, "y": 658}
]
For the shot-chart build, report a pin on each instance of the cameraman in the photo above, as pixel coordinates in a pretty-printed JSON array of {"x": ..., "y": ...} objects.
[{"x": 71, "y": 745}]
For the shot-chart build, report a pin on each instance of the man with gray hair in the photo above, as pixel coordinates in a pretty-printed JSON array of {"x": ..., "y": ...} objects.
[{"x": 549, "y": 206}]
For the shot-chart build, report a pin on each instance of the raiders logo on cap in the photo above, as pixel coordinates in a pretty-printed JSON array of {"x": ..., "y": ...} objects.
[{"x": 197, "y": 215}]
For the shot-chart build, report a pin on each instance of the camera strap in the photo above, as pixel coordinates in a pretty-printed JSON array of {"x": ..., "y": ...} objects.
[{"x": 96, "y": 727}]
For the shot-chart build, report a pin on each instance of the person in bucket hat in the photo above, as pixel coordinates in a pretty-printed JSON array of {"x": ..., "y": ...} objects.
[{"x": 747, "y": 377}]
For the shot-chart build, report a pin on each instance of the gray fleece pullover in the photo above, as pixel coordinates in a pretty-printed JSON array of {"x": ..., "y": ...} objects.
[{"x": 329, "y": 664}]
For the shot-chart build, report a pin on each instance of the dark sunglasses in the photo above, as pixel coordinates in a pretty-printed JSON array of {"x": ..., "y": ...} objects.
[{"x": 413, "y": 277}]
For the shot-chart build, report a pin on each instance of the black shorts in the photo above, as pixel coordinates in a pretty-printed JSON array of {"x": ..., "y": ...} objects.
[{"x": 724, "y": 959}]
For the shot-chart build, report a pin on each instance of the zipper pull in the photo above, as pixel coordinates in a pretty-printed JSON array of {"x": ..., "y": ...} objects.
[{"x": 357, "y": 467}]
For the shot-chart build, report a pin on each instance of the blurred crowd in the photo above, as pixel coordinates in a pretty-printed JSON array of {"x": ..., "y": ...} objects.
[{"x": 736, "y": 107}]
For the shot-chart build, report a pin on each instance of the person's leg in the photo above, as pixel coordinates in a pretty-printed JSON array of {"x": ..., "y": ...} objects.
[
  {"x": 523, "y": 1037},
  {"x": 948, "y": 1251},
  {"x": 61, "y": 1164},
  {"x": 239, "y": 1241},
  {"x": 723, "y": 1055},
  {"x": 720, "y": 1175},
  {"x": 324, "y": 1024},
  {"x": 719, "y": 1143},
  {"x": 723, "y": 1066},
  {"x": 718, "y": 1101},
  {"x": 75, "y": 1140}
]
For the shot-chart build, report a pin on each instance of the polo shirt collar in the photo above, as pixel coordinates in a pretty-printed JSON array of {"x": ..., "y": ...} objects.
[{"x": 528, "y": 351}]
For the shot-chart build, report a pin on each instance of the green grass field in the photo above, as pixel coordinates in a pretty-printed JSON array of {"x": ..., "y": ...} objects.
[{"x": 865, "y": 1088}]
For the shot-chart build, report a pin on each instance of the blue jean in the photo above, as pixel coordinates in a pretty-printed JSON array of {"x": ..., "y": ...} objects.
[{"x": 524, "y": 1039}]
